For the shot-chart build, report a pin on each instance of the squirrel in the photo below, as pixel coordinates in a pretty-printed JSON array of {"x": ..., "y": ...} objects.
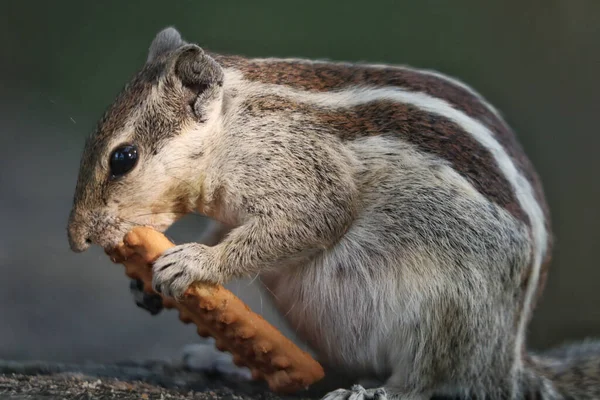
[{"x": 390, "y": 211}]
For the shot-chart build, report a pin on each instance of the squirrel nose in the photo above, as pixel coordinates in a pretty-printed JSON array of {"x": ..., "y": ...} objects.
[{"x": 78, "y": 233}]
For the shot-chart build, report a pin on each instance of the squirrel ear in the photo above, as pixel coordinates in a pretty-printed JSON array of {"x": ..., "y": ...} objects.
[
  {"x": 196, "y": 69},
  {"x": 165, "y": 42}
]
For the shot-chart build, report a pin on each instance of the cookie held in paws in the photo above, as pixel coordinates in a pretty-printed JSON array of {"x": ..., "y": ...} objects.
[{"x": 218, "y": 313}]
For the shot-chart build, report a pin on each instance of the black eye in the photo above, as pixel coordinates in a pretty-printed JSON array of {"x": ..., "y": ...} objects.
[{"x": 122, "y": 160}]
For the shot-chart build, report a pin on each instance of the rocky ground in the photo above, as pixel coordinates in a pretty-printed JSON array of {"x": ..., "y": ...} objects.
[{"x": 151, "y": 380}]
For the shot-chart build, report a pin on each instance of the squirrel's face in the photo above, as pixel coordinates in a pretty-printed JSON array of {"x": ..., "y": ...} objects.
[{"x": 141, "y": 165}]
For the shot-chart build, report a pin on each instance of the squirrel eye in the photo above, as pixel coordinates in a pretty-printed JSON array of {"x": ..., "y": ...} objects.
[{"x": 122, "y": 160}]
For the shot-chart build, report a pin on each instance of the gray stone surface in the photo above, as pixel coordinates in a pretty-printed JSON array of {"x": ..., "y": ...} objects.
[{"x": 150, "y": 380}]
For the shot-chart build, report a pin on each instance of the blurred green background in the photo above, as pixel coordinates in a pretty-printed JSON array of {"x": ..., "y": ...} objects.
[{"x": 64, "y": 61}]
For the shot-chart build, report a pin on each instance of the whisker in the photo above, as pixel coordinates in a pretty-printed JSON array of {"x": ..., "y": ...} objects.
[
  {"x": 175, "y": 160},
  {"x": 253, "y": 279},
  {"x": 291, "y": 308},
  {"x": 131, "y": 223},
  {"x": 160, "y": 213},
  {"x": 269, "y": 290},
  {"x": 303, "y": 313},
  {"x": 183, "y": 181}
]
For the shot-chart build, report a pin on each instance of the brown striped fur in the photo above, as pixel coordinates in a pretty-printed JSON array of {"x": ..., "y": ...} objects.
[
  {"x": 331, "y": 76},
  {"x": 431, "y": 133}
]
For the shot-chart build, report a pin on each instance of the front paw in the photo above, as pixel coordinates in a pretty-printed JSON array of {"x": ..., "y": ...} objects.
[{"x": 177, "y": 268}]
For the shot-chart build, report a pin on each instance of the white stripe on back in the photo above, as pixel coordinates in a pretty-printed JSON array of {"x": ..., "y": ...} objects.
[{"x": 436, "y": 74}]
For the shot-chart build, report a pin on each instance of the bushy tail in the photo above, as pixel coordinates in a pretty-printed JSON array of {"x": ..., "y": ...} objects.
[{"x": 568, "y": 372}]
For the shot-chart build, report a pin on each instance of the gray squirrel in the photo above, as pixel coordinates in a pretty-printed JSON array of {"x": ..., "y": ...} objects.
[{"x": 391, "y": 212}]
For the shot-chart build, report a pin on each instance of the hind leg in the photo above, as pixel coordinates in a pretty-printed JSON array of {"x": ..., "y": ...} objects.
[
  {"x": 389, "y": 391},
  {"x": 460, "y": 344},
  {"x": 357, "y": 392}
]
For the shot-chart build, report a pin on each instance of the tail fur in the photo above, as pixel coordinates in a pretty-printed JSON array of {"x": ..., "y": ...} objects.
[{"x": 567, "y": 372}]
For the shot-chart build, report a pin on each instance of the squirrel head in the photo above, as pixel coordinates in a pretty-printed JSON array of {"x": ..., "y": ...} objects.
[{"x": 136, "y": 167}]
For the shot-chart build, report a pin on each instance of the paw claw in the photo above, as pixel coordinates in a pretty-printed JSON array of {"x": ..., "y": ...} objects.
[
  {"x": 166, "y": 266},
  {"x": 380, "y": 394},
  {"x": 338, "y": 394},
  {"x": 149, "y": 302},
  {"x": 136, "y": 285}
]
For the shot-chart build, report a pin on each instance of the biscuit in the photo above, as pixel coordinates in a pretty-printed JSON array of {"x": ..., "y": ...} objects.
[{"x": 216, "y": 312}]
